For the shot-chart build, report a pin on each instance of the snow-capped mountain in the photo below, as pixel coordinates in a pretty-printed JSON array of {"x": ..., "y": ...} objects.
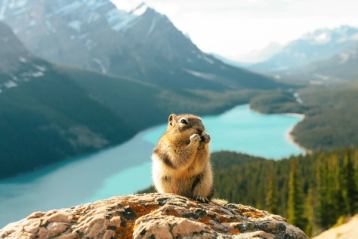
[
  {"x": 79, "y": 33},
  {"x": 316, "y": 46},
  {"x": 342, "y": 66},
  {"x": 141, "y": 44}
]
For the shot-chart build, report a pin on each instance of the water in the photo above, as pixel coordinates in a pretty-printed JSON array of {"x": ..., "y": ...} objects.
[{"x": 125, "y": 169}]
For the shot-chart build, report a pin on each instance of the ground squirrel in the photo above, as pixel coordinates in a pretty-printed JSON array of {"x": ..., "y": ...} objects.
[{"x": 181, "y": 159}]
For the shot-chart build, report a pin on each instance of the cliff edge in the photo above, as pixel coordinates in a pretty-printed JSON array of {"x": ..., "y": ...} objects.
[{"x": 152, "y": 216}]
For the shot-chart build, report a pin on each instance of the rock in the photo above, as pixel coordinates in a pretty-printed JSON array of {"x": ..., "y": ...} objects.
[{"x": 151, "y": 216}]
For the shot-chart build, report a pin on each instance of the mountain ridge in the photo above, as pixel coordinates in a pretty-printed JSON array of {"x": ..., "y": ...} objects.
[
  {"x": 314, "y": 46},
  {"x": 148, "y": 47}
]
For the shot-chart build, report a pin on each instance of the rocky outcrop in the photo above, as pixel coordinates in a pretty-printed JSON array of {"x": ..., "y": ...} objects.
[{"x": 152, "y": 216}]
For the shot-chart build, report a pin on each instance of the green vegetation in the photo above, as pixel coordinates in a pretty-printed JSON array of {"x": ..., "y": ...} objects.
[
  {"x": 330, "y": 117},
  {"x": 277, "y": 101},
  {"x": 312, "y": 191},
  {"x": 295, "y": 210},
  {"x": 330, "y": 112}
]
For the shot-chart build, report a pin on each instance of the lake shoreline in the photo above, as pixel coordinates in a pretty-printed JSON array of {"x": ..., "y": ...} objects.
[{"x": 289, "y": 134}]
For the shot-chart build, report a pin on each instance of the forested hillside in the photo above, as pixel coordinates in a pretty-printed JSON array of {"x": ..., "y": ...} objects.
[
  {"x": 330, "y": 113},
  {"x": 312, "y": 191}
]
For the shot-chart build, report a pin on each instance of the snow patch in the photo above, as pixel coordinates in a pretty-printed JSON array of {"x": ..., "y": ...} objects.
[
  {"x": 199, "y": 74},
  {"x": 22, "y": 59},
  {"x": 140, "y": 9},
  {"x": 322, "y": 38},
  {"x": 40, "y": 68},
  {"x": 95, "y": 4},
  {"x": 33, "y": 23},
  {"x": 205, "y": 58},
  {"x": 151, "y": 28},
  {"x": 119, "y": 19},
  {"x": 322, "y": 77},
  {"x": 277, "y": 76},
  {"x": 100, "y": 64},
  {"x": 3, "y": 9},
  {"x": 344, "y": 57},
  {"x": 69, "y": 8},
  {"x": 75, "y": 25},
  {"x": 210, "y": 61},
  {"x": 10, "y": 84},
  {"x": 298, "y": 98},
  {"x": 38, "y": 74}
]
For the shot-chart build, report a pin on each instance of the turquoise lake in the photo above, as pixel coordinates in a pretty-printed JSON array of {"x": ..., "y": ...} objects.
[{"x": 125, "y": 169}]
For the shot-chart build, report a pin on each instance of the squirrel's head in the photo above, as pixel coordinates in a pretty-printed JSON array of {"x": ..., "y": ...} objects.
[{"x": 185, "y": 124}]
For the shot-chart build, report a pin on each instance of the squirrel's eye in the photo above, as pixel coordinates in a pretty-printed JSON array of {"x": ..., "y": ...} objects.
[{"x": 184, "y": 121}]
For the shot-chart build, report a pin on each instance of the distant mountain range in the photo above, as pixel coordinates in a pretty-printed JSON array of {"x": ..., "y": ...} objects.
[
  {"x": 319, "y": 45},
  {"x": 340, "y": 67},
  {"x": 142, "y": 44}
]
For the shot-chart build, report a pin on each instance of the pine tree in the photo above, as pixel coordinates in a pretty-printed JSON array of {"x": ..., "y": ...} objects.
[
  {"x": 271, "y": 195},
  {"x": 349, "y": 187},
  {"x": 310, "y": 213},
  {"x": 295, "y": 208}
]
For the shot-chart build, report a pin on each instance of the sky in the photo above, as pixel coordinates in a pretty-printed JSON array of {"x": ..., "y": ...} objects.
[{"x": 236, "y": 29}]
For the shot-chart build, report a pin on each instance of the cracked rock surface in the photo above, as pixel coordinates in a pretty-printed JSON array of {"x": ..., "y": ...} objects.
[{"x": 153, "y": 216}]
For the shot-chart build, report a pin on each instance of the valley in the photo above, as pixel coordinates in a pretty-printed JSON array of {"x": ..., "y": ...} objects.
[{"x": 67, "y": 111}]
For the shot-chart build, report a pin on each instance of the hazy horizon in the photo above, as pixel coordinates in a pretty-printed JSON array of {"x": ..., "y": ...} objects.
[{"x": 250, "y": 25}]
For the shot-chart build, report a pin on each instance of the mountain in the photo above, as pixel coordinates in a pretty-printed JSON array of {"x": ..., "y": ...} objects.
[
  {"x": 341, "y": 67},
  {"x": 49, "y": 113},
  {"x": 316, "y": 46},
  {"x": 45, "y": 116},
  {"x": 142, "y": 44}
]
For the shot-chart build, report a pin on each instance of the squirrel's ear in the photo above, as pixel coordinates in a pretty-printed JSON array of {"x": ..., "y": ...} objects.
[{"x": 171, "y": 118}]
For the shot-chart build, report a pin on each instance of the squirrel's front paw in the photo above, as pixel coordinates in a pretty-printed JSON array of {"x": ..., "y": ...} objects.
[
  {"x": 205, "y": 138},
  {"x": 195, "y": 138}
]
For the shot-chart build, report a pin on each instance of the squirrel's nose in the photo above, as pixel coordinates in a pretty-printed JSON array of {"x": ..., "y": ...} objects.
[{"x": 200, "y": 131}]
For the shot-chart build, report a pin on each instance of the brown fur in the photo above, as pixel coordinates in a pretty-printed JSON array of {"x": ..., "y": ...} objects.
[{"x": 181, "y": 163}]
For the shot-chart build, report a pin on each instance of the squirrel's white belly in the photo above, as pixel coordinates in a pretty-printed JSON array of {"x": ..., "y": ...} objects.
[{"x": 157, "y": 172}]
